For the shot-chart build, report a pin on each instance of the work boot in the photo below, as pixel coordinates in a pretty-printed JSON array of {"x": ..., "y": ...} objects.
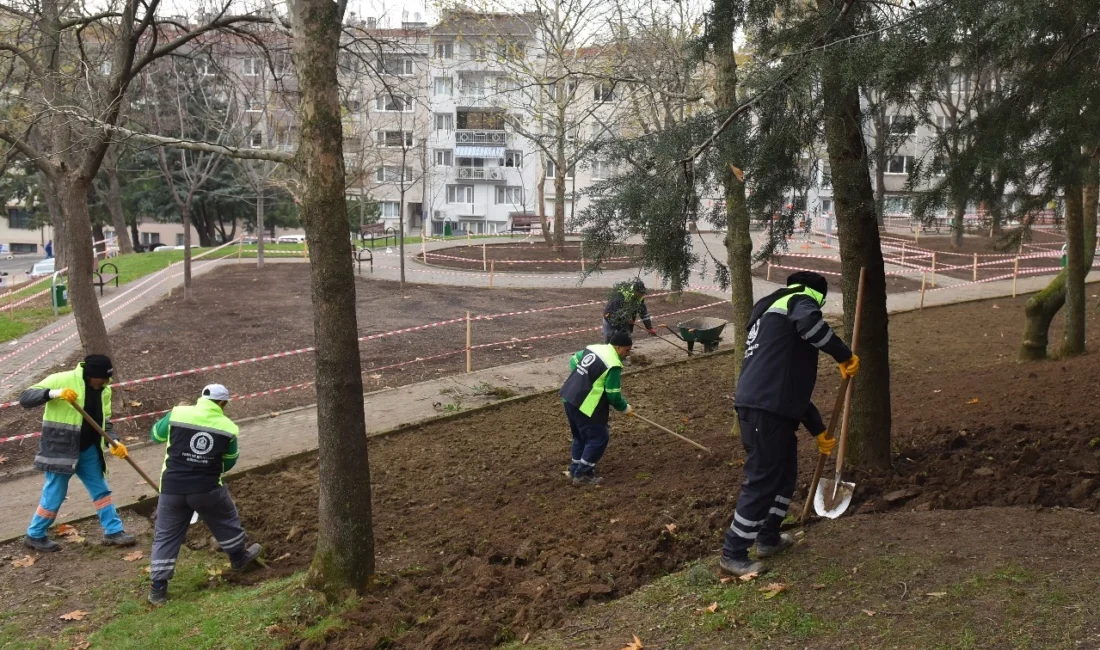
[
  {"x": 586, "y": 480},
  {"x": 768, "y": 550},
  {"x": 121, "y": 538},
  {"x": 158, "y": 593},
  {"x": 247, "y": 557},
  {"x": 43, "y": 544},
  {"x": 740, "y": 567}
]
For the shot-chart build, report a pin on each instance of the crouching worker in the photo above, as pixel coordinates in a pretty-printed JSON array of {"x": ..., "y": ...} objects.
[
  {"x": 202, "y": 445},
  {"x": 786, "y": 331},
  {"x": 70, "y": 445},
  {"x": 594, "y": 385}
]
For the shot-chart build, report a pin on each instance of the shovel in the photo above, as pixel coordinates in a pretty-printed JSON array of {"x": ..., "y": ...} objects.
[
  {"x": 675, "y": 345},
  {"x": 111, "y": 442},
  {"x": 672, "y": 433},
  {"x": 832, "y": 497}
]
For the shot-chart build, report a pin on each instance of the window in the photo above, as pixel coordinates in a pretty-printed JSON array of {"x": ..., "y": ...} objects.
[
  {"x": 551, "y": 170},
  {"x": 444, "y": 158},
  {"x": 506, "y": 85},
  {"x": 206, "y": 66},
  {"x": 444, "y": 122},
  {"x": 256, "y": 139},
  {"x": 513, "y": 51},
  {"x": 389, "y": 209},
  {"x": 24, "y": 248},
  {"x": 255, "y": 106},
  {"x": 902, "y": 125},
  {"x": 282, "y": 64},
  {"x": 826, "y": 205},
  {"x": 601, "y": 169},
  {"x": 568, "y": 87},
  {"x": 394, "y": 139},
  {"x": 285, "y": 136},
  {"x": 19, "y": 218},
  {"x": 391, "y": 174},
  {"x": 513, "y": 159},
  {"x": 826, "y": 176},
  {"x": 939, "y": 165},
  {"x": 394, "y": 103},
  {"x": 444, "y": 49},
  {"x": 603, "y": 92},
  {"x": 105, "y": 68},
  {"x": 398, "y": 66},
  {"x": 899, "y": 164},
  {"x": 252, "y": 67},
  {"x": 150, "y": 238},
  {"x": 460, "y": 194},
  {"x": 444, "y": 86},
  {"x": 179, "y": 239},
  {"x": 510, "y": 195}
]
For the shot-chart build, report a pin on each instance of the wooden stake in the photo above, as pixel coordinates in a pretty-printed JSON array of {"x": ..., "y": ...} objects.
[
  {"x": 975, "y": 267},
  {"x": 240, "y": 249},
  {"x": 484, "y": 258},
  {"x": 903, "y": 252},
  {"x": 933, "y": 269},
  {"x": 769, "y": 270},
  {"x": 1015, "y": 271},
  {"x": 468, "y": 362},
  {"x": 492, "y": 272},
  {"x": 923, "y": 277}
]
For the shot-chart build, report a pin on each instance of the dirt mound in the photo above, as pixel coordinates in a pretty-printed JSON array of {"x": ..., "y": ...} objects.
[{"x": 530, "y": 257}]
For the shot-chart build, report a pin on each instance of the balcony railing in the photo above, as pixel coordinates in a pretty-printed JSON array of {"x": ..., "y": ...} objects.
[
  {"x": 480, "y": 136},
  {"x": 479, "y": 173},
  {"x": 468, "y": 99}
]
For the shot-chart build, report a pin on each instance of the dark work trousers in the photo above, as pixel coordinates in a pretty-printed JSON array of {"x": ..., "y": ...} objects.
[
  {"x": 609, "y": 329},
  {"x": 217, "y": 511},
  {"x": 590, "y": 439},
  {"x": 771, "y": 472}
]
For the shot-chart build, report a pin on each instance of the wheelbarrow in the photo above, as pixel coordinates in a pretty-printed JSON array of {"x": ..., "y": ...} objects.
[{"x": 704, "y": 329}]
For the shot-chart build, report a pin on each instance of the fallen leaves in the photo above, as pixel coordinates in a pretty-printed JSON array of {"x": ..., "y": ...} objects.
[
  {"x": 817, "y": 586},
  {"x": 24, "y": 562},
  {"x": 376, "y": 376},
  {"x": 636, "y": 644},
  {"x": 3, "y": 459},
  {"x": 671, "y": 528},
  {"x": 135, "y": 404},
  {"x": 772, "y": 589},
  {"x": 75, "y": 615},
  {"x": 82, "y": 646},
  {"x": 974, "y": 400},
  {"x": 133, "y": 557},
  {"x": 70, "y": 533},
  {"x": 713, "y": 607},
  {"x": 65, "y": 529},
  {"x": 936, "y": 594},
  {"x": 869, "y": 612},
  {"x": 749, "y": 577}
]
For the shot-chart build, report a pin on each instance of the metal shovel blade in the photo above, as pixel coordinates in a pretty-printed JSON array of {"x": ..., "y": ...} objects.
[
  {"x": 831, "y": 506},
  {"x": 194, "y": 518}
]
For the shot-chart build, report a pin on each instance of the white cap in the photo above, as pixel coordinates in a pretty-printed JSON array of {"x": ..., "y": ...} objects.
[{"x": 216, "y": 392}]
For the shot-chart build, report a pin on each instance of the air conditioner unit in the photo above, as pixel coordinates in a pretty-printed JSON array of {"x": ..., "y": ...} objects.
[
  {"x": 495, "y": 173},
  {"x": 437, "y": 215}
]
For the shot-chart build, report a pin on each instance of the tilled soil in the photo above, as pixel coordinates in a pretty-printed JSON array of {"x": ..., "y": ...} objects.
[
  {"x": 240, "y": 313},
  {"x": 782, "y": 266},
  {"x": 531, "y": 256},
  {"x": 959, "y": 263}
]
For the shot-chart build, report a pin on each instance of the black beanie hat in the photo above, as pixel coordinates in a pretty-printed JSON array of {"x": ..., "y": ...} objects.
[
  {"x": 810, "y": 280},
  {"x": 98, "y": 366},
  {"x": 621, "y": 339}
]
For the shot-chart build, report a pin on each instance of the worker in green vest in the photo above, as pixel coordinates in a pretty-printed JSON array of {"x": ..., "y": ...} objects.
[
  {"x": 593, "y": 386},
  {"x": 202, "y": 445},
  {"x": 70, "y": 445}
]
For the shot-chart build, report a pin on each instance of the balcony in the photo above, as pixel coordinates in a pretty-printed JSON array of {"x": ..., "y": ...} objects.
[
  {"x": 468, "y": 98},
  {"x": 479, "y": 173},
  {"x": 481, "y": 136}
]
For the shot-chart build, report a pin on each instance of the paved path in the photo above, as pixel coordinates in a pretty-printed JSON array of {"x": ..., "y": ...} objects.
[
  {"x": 267, "y": 439},
  {"x": 38, "y": 352}
]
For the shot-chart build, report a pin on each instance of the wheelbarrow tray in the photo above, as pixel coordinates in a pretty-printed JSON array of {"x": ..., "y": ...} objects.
[{"x": 703, "y": 329}]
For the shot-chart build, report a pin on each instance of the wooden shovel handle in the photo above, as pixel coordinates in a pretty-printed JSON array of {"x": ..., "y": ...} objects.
[
  {"x": 111, "y": 442},
  {"x": 843, "y": 397}
]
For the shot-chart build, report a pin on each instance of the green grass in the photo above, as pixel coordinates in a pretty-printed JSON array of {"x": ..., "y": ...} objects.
[{"x": 21, "y": 322}]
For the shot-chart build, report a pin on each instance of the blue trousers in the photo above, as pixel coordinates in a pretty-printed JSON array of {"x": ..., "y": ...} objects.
[
  {"x": 57, "y": 486},
  {"x": 590, "y": 439}
]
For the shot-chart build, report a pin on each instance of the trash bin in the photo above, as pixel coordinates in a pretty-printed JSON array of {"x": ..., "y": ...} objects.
[
  {"x": 60, "y": 296},
  {"x": 446, "y": 228}
]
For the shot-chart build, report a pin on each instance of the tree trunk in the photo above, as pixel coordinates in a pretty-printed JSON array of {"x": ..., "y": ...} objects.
[
  {"x": 259, "y": 226},
  {"x": 344, "y": 555},
  {"x": 1040, "y": 309},
  {"x": 540, "y": 199},
  {"x": 559, "y": 199},
  {"x": 957, "y": 222},
  {"x": 81, "y": 258},
  {"x": 1073, "y": 337},
  {"x": 57, "y": 221},
  {"x": 118, "y": 215},
  {"x": 401, "y": 227},
  {"x": 185, "y": 214},
  {"x": 135, "y": 236},
  {"x": 869, "y": 433}
]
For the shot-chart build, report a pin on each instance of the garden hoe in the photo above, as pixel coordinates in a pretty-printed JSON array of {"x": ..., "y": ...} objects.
[
  {"x": 111, "y": 442},
  {"x": 832, "y": 497}
]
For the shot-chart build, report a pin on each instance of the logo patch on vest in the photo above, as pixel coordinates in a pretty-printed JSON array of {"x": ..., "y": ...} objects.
[
  {"x": 201, "y": 443},
  {"x": 750, "y": 345},
  {"x": 586, "y": 361}
]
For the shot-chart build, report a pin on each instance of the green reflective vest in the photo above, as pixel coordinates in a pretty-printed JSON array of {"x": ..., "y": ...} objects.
[
  {"x": 587, "y": 384},
  {"x": 59, "y": 446},
  {"x": 199, "y": 437}
]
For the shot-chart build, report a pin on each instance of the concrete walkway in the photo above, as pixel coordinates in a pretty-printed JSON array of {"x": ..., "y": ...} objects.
[{"x": 267, "y": 439}]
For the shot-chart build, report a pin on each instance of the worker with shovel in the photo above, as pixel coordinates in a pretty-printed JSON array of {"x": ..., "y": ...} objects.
[
  {"x": 202, "y": 445},
  {"x": 593, "y": 386},
  {"x": 71, "y": 445},
  {"x": 626, "y": 305},
  {"x": 786, "y": 330}
]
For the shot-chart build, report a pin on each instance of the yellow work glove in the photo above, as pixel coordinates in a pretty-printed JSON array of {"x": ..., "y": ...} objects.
[
  {"x": 849, "y": 368},
  {"x": 118, "y": 450},
  {"x": 825, "y": 443},
  {"x": 629, "y": 410},
  {"x": 69, "y": 395}
]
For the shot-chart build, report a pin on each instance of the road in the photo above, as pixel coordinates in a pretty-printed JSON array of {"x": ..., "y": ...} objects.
[{"x": 16, "y": 268}]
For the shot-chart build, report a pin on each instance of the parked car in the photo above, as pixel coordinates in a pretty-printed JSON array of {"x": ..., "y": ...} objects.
[
  {"x": 45, "y": 267},
  {"x": 291, "y": 239}
]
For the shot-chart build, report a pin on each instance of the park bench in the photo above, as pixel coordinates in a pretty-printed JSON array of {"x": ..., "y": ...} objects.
[
  {"x": 376, "y": 231},
  {"x": 364, "y": 255},
  {"x": 102, "y": 278},
  {"x": 522, "y": 224}
]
